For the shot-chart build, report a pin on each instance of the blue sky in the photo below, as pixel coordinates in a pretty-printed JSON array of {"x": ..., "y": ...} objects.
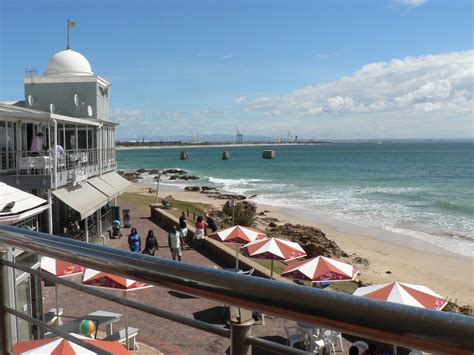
[{"x": 327, "y": 69}]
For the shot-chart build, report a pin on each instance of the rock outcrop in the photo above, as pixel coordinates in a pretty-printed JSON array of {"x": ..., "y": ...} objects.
[{"x": 311, "y": 239}]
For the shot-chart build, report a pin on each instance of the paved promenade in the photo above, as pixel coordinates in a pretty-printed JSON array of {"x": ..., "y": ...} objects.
[{"x": 166, "y": 336}]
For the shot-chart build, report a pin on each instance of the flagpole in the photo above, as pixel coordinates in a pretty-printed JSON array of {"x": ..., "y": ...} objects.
[{"x": 68, "y": 46}]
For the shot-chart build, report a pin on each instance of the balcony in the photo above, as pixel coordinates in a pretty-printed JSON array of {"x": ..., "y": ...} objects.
[{"x": 73, "y": 166}]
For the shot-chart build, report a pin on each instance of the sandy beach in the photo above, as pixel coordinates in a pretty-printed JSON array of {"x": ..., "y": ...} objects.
[{"x": 407, "y": 260}]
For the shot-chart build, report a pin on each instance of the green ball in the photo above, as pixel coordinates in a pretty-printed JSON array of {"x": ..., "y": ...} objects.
[{"x": 87, "y": 327}]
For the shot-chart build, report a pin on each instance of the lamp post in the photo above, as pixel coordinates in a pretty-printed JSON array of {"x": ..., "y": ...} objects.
[{"x": 157, "y": 186}]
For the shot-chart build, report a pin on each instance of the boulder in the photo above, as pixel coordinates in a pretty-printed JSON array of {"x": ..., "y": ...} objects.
[
  {"x": 191, "y": 188},
  {"x": 174, "y": 171},
  {"x": 193, "y": 177},
  {"x": 311, "y": 239},
  {"x": 141, "y": 171},
  {"x": 207, "y": 188},
  {"x": 131, "y": 176}
]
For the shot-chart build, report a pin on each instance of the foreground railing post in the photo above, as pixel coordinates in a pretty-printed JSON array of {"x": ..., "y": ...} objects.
[
  {"x": 241, "y": 322},
  {"x": 5, "y": 335}
]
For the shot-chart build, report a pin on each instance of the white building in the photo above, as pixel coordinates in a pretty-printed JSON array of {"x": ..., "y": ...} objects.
[
  {"x": 70, "y": 170},
  {"x": 75, "y": 169}
]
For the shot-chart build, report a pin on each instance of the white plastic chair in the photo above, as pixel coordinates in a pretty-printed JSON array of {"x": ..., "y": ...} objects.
[
  {"x": 334, "y": 337},
  {"x": 293, "y": 335},
  {"x": 317, "y": 346},
  {"x": 248, "y": 272}
]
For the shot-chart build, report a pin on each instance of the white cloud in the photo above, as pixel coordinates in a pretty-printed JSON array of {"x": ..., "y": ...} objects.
[
  {"x": 441, "y": 83},
  {"x": 410, "y": 3},
  {"x": 240, "y": 99},
  {"x": 226, "y": 56}
]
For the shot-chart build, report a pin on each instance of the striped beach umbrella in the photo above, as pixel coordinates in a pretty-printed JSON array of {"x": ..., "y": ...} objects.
[
  {"x": 320, "y": 268},
  {"x": 61, "y": 346},
  {"x": 59, "y": 268},
  {"x": 273, "y": 249},
  {"x": 403, "y": 293},
  {"x": 103, "y": 279},
  {"x": 238, "y": 235}
]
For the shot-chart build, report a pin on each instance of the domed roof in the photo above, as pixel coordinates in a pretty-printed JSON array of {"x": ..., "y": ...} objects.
[{"x": 68, "y": 63}]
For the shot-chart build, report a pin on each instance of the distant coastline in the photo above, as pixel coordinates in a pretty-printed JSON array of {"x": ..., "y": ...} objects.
[
  {"x": 147, "y": 145},
  {"x": 212, "y": 144}
]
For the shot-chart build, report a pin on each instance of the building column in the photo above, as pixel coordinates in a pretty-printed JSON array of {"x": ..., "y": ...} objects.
[
  {"x": 86, "y": 227},
  {"x": 99, "y": 222},
  {"x": 50, "y": 212}
]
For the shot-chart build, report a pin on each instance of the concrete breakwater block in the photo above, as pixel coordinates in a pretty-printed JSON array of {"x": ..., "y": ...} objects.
[
  {"x": 184, "y": 155},
  {"x": 268, "y": 154}
]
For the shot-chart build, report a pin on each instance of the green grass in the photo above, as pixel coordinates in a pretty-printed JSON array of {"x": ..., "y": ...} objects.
[
  {"x": 278, "y": 266},
  {"x": 143, "y": 203}
]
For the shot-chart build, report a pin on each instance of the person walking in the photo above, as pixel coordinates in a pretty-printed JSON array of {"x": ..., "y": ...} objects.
[
  {"x": 151, "y": 244},
  {"x": 183, "y": 227},
  {"x": 211, "y": 222},
  {"x": 175, "y": 241},
  {"x": 134, "y": 241},
  {"x": 201, "y": 227}
]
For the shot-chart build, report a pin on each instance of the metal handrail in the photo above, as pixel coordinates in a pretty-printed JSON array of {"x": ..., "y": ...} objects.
[{"x": 384, "y": 321}]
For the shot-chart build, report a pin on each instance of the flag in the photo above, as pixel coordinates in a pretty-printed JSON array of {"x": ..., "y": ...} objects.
[{"x": 71, "y": 24}]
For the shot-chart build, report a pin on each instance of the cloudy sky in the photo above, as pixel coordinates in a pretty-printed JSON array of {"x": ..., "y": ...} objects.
[{"x": 325, "y": 69}]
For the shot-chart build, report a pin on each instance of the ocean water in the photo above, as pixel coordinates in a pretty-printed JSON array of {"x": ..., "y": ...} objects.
[{"x": 421, "y": 189}]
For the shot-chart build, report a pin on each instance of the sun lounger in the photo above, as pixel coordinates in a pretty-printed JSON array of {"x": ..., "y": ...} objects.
[{"x": 121, "y": 337}]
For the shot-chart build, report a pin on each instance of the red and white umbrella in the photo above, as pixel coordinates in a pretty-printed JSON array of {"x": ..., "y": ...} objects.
[
  {"x": 273, "y": 249},
  {"x": 103, "y": 279},
  {"x": 320, "y": 268},
  {"x": 238, "y": 235},
  {"x": 61, "y": 346},
  {"x": 59, "y": 268},
  {"x": 403, "y": 293}
]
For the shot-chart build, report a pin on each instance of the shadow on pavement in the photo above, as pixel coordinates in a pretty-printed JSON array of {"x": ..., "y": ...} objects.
[{"x": 214, "y": 315}]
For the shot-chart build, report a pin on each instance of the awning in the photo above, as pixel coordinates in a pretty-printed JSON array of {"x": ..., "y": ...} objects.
[
  {"x": 84, "y": 198},
  {"x": 104, "y": 187},
  {"x": 115, "y": 180},
  {"x": 25, "y": 205}
]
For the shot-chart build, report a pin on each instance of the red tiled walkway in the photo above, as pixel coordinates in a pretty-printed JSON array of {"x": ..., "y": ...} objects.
[{"x": 169, "y": 337}]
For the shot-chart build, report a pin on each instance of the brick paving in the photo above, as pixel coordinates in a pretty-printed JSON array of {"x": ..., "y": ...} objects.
[{"x": 166, "y": 336}]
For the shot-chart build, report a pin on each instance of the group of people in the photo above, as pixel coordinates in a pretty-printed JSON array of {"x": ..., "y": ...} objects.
[{"x": 176, "y": 237}]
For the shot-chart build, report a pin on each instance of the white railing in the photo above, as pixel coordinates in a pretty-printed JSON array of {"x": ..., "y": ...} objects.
[{"x": 83, "y": 162}]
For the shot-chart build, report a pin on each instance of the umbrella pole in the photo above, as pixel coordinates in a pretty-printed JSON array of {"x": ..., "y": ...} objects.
[
  {"x": 57, "y": 302},
  {"x": 271, "y": 272},
  {"x": 126, "y": 324},
  {"x": 237, "y": 256}
]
